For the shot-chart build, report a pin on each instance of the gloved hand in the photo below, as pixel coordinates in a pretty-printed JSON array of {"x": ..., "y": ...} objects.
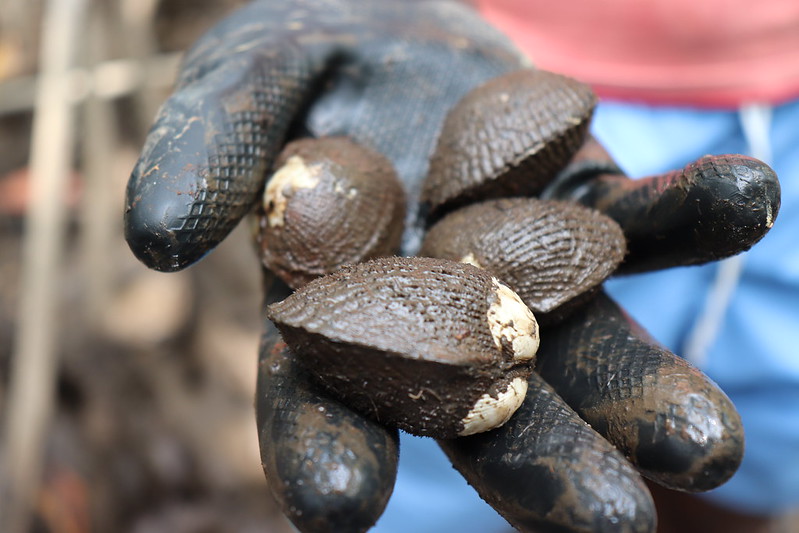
[{"x": 386, "y": 74}]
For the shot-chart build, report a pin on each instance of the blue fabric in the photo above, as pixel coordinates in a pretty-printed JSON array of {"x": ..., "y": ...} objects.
[
  {"x": 755, "y": 358},
  {"x": 431, "y": 497}
]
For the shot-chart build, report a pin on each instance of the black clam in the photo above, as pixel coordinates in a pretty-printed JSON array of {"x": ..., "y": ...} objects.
[
  {"x": 553, "y": 254},
  {"x": 508, "y": 137},
  {"x": 330, "y": 202},
  {"x": 434, "y": 347}
]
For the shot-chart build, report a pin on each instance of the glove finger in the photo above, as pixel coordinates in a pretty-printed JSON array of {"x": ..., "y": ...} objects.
[
  {"x": 329, "y": 203},
  {"x": 665, "y": 415},
  {"x": 205, "y": 157},
  {"x": 547, "y": 470},
  {"x": 329, "y": 468},
  {"x": 713, "y": 208}
]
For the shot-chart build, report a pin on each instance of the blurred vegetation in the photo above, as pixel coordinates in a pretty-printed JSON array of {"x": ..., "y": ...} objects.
[{"x": 152, "y": 426}]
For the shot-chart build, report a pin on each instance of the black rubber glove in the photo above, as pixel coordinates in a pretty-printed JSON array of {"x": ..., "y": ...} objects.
[{"x": 384, "y": 74}]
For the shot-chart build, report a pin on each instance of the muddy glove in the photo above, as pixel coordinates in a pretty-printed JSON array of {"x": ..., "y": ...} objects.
[
  {"x": 385, "y": 74},
  {"x": 379, "y": 73}
]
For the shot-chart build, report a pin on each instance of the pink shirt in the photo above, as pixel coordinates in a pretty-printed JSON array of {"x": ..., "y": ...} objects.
[{"x": 716, "y": 53}]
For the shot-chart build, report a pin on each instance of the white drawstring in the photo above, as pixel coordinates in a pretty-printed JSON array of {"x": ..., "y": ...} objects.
[{"x": 755, "y": 123}]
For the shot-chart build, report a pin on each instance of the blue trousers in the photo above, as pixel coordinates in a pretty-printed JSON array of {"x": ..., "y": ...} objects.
[
  {"x": 752, "y": 351},
  {"x": 751, "y": 345}
]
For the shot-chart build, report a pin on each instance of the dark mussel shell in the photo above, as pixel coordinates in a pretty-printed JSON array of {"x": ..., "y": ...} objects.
[
  {"x": 553, "y": 254},
  {"x": 508, "y": 137},
  {"x": 434, "y": 347},
  {"x": 330, "y": 202}
]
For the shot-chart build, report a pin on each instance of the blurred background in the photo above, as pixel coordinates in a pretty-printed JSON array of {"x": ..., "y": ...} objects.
[{"x": 126, "y": 396}]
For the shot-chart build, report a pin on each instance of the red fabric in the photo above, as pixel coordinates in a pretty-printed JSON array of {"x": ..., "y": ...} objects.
[{"x": 691, "y": 52}]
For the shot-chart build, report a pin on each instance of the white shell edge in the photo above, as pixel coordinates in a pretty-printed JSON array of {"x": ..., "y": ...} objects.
[
  {"x": 490, "y": 412},
  {"x": 293, "y": 175},
  {"x": 511, "y": 319}
]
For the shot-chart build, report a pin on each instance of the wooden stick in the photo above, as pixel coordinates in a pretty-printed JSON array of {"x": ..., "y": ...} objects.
[
  {"x": 138, "y": 22},
  {"x": 35, "y": 357},
  {"x": 100, "y": 214},
  {"x": 110, "y": 79}
]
